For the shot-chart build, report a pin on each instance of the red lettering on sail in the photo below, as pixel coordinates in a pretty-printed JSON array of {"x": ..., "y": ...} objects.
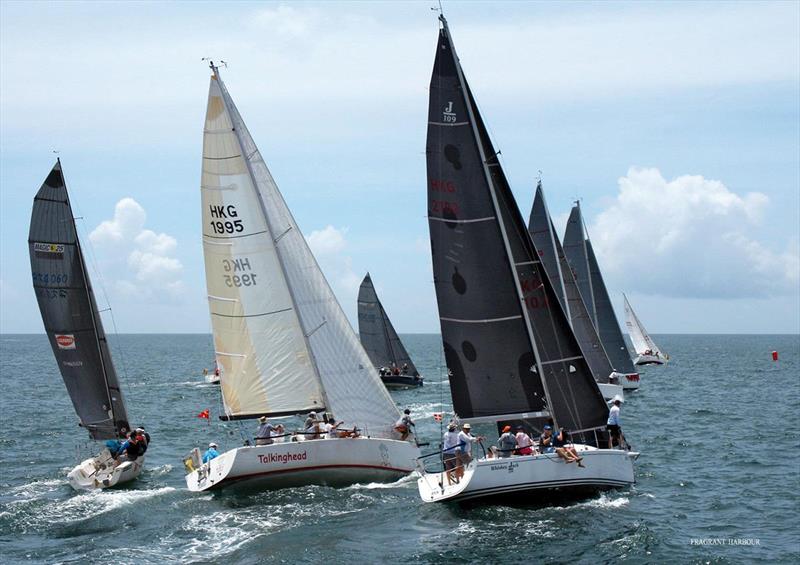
[{"x": 438, "y": 185}]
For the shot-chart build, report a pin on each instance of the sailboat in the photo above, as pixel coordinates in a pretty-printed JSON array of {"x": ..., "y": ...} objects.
[
  {"x": 282, "y": 341},
  {"x": 75, "y": 331},
  {"x": 554, "y": 262},
  {"x": 381, "y": 342},
  {"x": 511, "y": 355},
  {"x": 580, "y": 255},
  {"x": 647, "y": 352}
]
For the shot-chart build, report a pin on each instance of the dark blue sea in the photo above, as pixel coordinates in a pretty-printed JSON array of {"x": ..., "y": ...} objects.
[{"x": 718, "y": 480}]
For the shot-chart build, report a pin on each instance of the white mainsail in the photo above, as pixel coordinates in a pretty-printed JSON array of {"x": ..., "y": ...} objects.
[
  {"x": 642, "y": 342},
  {"x": 306, "y": 353}
]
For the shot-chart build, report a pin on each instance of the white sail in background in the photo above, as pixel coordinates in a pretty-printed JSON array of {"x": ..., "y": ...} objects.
[
  {"x": 642, "y": 342},
  {"x": 259, "y": 343},
  {"x": 350, "y": 387}
]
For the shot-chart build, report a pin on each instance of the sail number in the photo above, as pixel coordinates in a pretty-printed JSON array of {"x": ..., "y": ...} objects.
[
  {"x": 225, "y": 222},
  {"x": 444, "y": 206},
  {"x": 55, "y": 278},
  {"x": 438, "y": 185},
  {"x": 238, "y": 265}
]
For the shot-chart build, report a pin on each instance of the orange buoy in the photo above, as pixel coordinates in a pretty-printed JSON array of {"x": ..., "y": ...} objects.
[{"x": 774, "y": 355}]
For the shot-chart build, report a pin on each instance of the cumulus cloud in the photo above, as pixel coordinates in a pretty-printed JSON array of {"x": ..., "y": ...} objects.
[
  {"x": 149, "y": 259},
  {"x": 690, "y": 237},
  {"x": 329, "y": 245}
]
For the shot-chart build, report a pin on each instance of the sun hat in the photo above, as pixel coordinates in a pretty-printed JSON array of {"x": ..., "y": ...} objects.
[
  {"x": 467, "y": 426},
  {"x": 212, "y": 444},
  {"x": 507, "y": 429},
  {"x": 451, "y": 426},
  {"x": 618, "y": 398},
  {"x": 262, "y": 419}
]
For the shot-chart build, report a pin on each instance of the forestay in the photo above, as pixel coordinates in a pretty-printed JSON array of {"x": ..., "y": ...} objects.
[
  {"x": 69, "y": 312},
  {"x": 555, "y": 264},
  {"x": 642, "y": 342},
  {"x": 332, "y": 361},
  {"x": 377, "y": 334},
  {"x": 506, "y": 340}
]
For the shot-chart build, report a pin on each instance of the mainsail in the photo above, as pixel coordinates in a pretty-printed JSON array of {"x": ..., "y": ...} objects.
[
  {"x": 69, "y": 312},
  {"x": 607, "y": 325},
  {"x": 508, "y": 345},
  {"x": 378, "y": 336},
  {"x": 642, "y": 342},
  {"x": 581, "y": 259},
  {"x": 282, "y": 340},
  {"x": 555, "y": 264}
]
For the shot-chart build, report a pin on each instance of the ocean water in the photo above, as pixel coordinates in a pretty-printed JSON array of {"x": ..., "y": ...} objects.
[{"x": 718, "y": 480}]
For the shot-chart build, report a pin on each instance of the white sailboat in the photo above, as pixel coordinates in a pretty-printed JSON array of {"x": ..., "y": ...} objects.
[
  {"x": 75, "y": 332},
  {"x": 282, "y": 342},
  {"x": 510, "y": 351},
  {"x": 647, "y": 352}
]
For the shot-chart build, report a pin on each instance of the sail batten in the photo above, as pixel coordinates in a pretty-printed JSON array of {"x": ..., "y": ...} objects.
[
  {"x": 70, "y": 314},
  {"x": 499, "y": 367}
]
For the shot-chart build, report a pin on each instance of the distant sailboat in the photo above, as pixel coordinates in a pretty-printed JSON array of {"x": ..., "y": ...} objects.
[
  {"x": 647, "y": 352},
  {"x": 544, "y": 237},
  {"x": 381, "y": 342},
  {"x": 580, "y": 255},
  {"x": 282, "y": 342},
  {"x": 512, "y": 356},
  {"x": 75, "y": 331}
]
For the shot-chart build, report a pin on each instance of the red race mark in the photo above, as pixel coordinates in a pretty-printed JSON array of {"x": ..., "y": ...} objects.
[
  {"x": 443, "y": 206},
  {"x": 438, "y": 185}
]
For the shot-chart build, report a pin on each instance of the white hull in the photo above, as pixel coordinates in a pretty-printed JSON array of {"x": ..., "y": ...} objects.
[
  {"x": 629, "y": 381},
  {"x": 331, "y": 462},
  {"x": 99, "y": 472},
  {"x": 610, "y": 391},
  {"x": 525, "y": 474},
  {"x": 643, "y": 359}
]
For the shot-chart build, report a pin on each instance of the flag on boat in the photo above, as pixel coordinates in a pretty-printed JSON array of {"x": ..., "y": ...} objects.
[
  {"x": 437, "y": 416},
  {"x": 204, "y": 414}
]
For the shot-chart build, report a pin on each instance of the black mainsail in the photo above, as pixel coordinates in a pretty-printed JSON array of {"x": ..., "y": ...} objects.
[
  {"x": 555, "y": 264},
  {"x": 377, "y": 334},
  {"x": 69, "y": 312},
  {"x": 508, "y": 345},
  {"x": 607, "y": 325},
  {"x": 581, "y": 259}
]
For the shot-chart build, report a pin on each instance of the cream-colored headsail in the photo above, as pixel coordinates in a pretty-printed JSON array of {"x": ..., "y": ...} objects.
[
  {"x": 262, "y": 353},
  {"x": 353, "y": 391}
]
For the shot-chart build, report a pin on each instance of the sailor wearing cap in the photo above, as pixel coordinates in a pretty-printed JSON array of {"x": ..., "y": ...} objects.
[
  {"x": 464, "y": 449},
  {"x": 546, "y": 440},
  {"x": 449, "y": 445},
  {"x": 507, "y": 443},
  {"x": 264, "y": 434},
  {"x": 210, "y": 453},
  {"x": 614, "y": 423}
]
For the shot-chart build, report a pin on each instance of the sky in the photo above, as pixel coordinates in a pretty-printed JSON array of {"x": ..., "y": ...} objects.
[{"x": 677, "y": 124}]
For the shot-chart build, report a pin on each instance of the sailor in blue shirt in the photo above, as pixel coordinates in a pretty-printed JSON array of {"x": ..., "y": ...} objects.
[
  {"x": 211, "y": 453},
  {"x": 613, "y": 424}
]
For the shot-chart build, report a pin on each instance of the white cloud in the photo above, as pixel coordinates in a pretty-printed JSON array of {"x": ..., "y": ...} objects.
[
  {"x": 149, "y": 254},
  {"x": 689, "y": 237},
  {"x": 328, "y": 246}
]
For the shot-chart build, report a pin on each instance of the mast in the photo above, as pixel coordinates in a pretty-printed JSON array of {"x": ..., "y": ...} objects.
[
  {"x": 275, "y": 240},
  {"x": 509, "y": 254}
]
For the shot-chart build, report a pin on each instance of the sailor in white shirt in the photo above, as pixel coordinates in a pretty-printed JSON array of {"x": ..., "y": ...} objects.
[
  {"x": 449, "y": 444},
  {"x": 464, "y": 449}
]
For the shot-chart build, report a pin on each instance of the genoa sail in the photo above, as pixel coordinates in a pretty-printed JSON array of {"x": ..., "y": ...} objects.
[
  {"x": 320, "y": 361},
  {"x": 508, "y": 345},
  {"x": 643, "y": 344},
  {"x": 555, "y": 264},
  {"x": 377, "y": 334},
  {"x": 69, "y": 312}
]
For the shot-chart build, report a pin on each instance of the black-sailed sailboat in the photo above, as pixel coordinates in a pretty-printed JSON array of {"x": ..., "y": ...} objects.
[
  {"x": 75, "y": 331},
  {"x": 511, "y": 354},
  {"x": 381, "y": 342},
  {"x": 581, "y": 257},
  {"x": 554, "y": 262}
]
